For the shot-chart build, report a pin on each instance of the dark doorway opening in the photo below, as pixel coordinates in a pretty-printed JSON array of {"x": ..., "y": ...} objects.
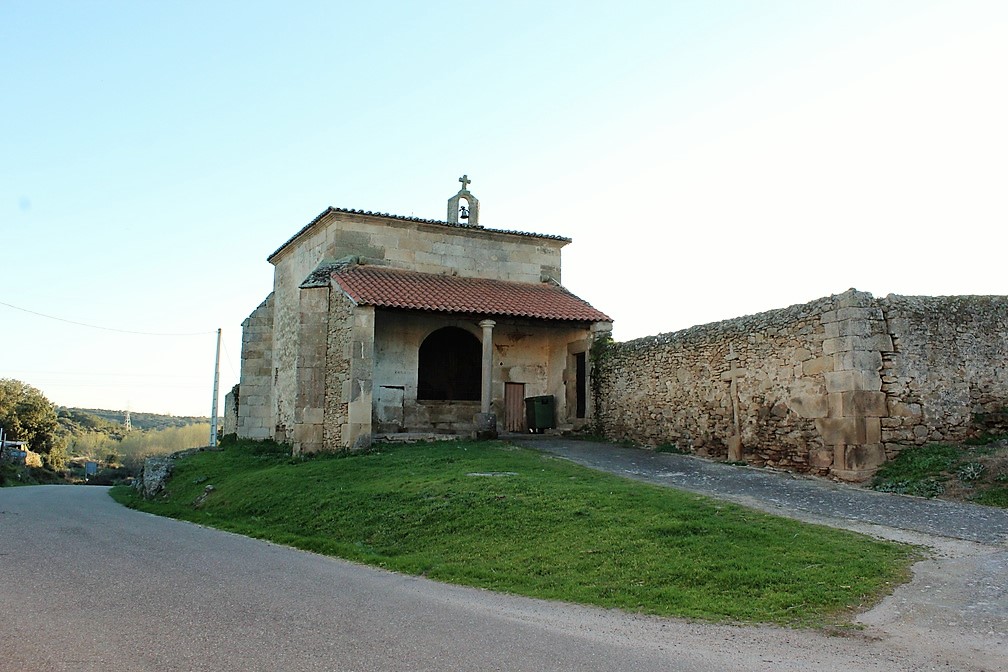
[{"x": 450, "y": 366}]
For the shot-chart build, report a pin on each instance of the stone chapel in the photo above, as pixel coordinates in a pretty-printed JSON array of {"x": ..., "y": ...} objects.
[{"x": 383, "y": 325}]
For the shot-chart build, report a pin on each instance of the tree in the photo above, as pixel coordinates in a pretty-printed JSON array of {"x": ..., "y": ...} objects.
[{"x": 26, "y": 415}]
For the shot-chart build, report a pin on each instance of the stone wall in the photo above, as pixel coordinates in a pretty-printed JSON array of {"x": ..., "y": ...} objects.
[
  {"x": 678, "y": 388},
  {"x": 337, "y": 381},
  {"x": 255, "y": 411},
  {"x": 833, "y": 386},
  {"x": 950, "y": 362},
  {"x": 231, "y": 401}
]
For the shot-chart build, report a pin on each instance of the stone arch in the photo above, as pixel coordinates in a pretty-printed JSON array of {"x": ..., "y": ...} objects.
[
  {"x": 449, "y": 366},
  {"x": 472, "y": 207}
]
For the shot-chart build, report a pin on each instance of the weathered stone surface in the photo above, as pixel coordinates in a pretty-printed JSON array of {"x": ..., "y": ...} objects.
[
  {"x": 899, "y": 370},
  {"x": 255, "y": 417},
  {"x": 862, "y": 460},
  {"x": 155, "y": 474},
  {"x": 809, "y": 405},
  {"x": 817, "y": 365},
  {"x": 821, "y": 458},
  {"x": 861, "y": 403},
  {"x": 486, "y": 425},
  {"x": 735, "y": 451},
  {"x": 201, "y": 500}
]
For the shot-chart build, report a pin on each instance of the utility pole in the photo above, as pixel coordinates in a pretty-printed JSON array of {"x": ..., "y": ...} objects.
[{"x": 216, "y": 386}]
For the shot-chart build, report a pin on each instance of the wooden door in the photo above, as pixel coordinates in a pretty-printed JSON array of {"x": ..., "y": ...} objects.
[{"x": 514, "y": 407}]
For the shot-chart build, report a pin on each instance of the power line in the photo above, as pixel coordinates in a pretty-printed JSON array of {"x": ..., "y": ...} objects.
[
  {"x": 95, "y": 326},
  {"x": 227, "y": 356}
]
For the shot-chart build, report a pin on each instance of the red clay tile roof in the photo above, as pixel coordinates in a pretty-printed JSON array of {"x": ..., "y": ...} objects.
[{"x": 385, "y": 287}]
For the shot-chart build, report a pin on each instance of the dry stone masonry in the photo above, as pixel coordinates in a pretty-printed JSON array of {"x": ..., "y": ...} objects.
[{"x": 835, "y": 386}]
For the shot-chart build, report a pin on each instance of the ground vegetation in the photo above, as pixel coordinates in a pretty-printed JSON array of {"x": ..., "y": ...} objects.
[{"x": 506, "y": 518}]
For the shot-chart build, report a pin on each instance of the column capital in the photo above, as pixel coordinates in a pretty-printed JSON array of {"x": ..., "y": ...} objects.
[{"x": 487, "y": 324}]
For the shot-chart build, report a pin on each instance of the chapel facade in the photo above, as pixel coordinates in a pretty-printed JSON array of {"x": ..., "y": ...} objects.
[{"x": 381, "y": 325}]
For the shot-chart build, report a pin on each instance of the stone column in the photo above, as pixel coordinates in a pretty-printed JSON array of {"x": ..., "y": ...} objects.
[
  {"x": 485, "y": 421},
  {"x": 486, "y": 394}
]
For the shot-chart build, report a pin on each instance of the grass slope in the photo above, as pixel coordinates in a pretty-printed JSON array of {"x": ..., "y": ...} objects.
[
  {"x": 510, "y": 519},
  {"x": 975, "y": 473}
]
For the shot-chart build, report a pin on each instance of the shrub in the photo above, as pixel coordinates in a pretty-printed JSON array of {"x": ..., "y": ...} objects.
[{"x": 970, "y": 471}]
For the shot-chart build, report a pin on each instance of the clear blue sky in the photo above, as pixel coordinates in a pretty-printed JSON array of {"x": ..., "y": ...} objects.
[{"x": 709, "y": 159}]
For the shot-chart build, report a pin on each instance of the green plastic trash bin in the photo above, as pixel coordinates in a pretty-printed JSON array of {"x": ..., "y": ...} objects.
[{"x": 539, "y": 413}]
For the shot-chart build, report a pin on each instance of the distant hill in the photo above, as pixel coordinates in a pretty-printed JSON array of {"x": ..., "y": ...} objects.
[
  {"x": 111, "y": 422},
  {"x": 75, "y": 421}
]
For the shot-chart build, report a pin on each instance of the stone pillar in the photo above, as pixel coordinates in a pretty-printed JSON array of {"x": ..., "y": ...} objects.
[
  {"x": 359, "y": 414},
  {"x": 486, "y": 394},
  {"x": 486, "y": 422},
  {"x": 856, "y": 337},
  {"x": 313, "y": 319}
]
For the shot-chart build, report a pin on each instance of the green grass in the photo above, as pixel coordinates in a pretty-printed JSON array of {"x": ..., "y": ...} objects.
[
  {"x": 508, "y": 519},
  {"x": 975, "y": 472},
  {"x": 15, "y": 474}
]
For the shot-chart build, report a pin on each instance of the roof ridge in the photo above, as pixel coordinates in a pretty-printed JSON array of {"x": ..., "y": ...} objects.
[{"x": 404, "y": 218}]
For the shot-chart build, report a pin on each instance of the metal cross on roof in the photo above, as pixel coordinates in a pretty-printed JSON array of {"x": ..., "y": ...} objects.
[{"x": 465, "y": 182}]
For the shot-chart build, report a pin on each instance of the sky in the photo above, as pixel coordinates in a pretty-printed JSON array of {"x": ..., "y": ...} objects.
[{"x": 709, "y": 159}]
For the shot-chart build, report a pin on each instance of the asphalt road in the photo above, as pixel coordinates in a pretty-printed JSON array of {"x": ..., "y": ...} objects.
[{"x": 86, "y": 584}]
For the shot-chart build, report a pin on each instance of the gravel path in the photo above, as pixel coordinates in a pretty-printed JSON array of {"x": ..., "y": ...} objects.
[
  {"x": 956, "y": 605},
  {"x": 787, "y": 494}
]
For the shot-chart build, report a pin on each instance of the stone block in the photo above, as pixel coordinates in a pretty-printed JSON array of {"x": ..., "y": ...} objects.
[
  {"x": 860, "y": 327},
  {"x": 837, "y": 344},
  {"x": 858, "y": 404},
  {"x": 359, "y": 436},
  {"x": 313, "y": 416},
  {"x": 486, "y": 425},
  {"x": 305, "y": 433},
  {"x": 881, "y": 342},
  {"x": 843, "y": 381},
  {"x": 859, "y": 313},
  {"x": 820, "y": 457},
  {"x": 864, "y": 458},
  {"x": 872, "y": 430},
  {"x": 735, "y": 450},
  {"x": 818, "y": 365},
  {"x": 864, "y": 403},
  {"x": 849, "y": 431},
  {"x": 864, "y": 360},
  {"x": 837, "y": 431},
  {"x": 809, "y": 405},
  {"x": 901, "y": 409}
]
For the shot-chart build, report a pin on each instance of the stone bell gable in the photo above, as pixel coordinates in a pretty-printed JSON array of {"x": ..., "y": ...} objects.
[{"x": 382, "y": 323}]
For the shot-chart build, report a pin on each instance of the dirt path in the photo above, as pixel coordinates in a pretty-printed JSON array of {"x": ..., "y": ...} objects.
[{"x": 953, "y": 612}]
